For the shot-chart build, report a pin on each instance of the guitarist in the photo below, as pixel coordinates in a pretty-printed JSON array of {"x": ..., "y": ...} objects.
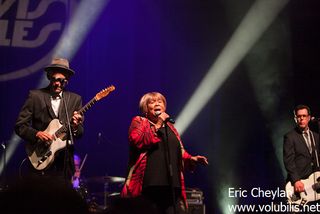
[
  {"x": 301, "y": 149},
  {"x": 40, "y": 108}
]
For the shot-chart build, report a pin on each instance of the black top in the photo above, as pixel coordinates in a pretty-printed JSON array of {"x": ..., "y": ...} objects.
[{"x": 156, "y": 173}]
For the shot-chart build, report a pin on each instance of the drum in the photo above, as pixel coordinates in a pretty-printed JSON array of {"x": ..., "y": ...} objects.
[
  {"x": 104, "y": 189},
  {"x": 81, "y": 188}
]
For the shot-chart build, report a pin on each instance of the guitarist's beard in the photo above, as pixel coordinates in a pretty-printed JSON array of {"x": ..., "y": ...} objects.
[{"x": 55, "y": 89}]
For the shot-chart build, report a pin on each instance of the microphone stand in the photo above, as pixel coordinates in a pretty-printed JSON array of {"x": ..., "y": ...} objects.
[
  {"x": 313, "y": 143},
  {"x": 69, "y": 137},
  {"x": 169, "y": 166},
  {"x": 4, "y": 168}
]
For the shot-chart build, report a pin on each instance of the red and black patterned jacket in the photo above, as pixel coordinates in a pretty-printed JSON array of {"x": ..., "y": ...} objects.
[{"x": 142, "y": 136}]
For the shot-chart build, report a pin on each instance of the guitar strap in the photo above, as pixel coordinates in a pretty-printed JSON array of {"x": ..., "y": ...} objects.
[
  {"x": 314, "y": 149},
  {"x": 315, "y": 178}
]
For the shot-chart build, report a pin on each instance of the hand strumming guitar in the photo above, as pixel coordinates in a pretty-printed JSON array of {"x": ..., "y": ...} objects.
[{"x": 44, "y": 136}]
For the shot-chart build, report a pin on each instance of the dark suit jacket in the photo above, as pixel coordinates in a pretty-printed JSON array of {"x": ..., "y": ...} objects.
[
  {"x": 37, "y": 113},
  {"x": 298, "y": 161}
]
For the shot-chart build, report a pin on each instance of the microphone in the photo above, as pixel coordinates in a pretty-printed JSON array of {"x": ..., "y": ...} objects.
[
  {"x": 169, "y": 119},
  {"x": 64, "y": 82},
  {"x": 3, "y": 145},
  {"x": 314, "y": 119},
  {"x": 44, "y": 158}
]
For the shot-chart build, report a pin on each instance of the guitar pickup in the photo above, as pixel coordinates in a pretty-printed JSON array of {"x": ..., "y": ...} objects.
[
  {"x": 295, "y": 197},
  {"x": 45, "y": 157}
]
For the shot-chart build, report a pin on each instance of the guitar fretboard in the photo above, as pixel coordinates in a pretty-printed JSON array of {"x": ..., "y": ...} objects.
[{"x": 84, "y": 109}]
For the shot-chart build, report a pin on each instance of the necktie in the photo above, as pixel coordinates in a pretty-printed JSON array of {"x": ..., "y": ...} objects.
[{"x": 308, "y": 141}]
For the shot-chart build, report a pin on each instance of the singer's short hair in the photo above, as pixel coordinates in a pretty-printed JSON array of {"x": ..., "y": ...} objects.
[
  {"x": 143, "y": 104},
  {"x": 299, "y": 107}
]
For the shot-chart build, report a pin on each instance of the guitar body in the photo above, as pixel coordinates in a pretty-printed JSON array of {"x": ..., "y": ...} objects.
[
  {"x": 311, "y": 193},
  {"x": 37, "y": 158}
]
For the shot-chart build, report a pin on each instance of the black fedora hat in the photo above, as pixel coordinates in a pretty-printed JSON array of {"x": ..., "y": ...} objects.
[{"x": 59, "y": 65}]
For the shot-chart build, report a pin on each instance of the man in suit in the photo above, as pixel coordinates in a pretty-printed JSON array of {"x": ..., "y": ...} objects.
[
  {"x": 40, "y": 108},
  {"x": 301, "y": 149}
]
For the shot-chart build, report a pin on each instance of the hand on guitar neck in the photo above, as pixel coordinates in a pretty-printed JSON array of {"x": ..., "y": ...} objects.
[{"x": 76, "y": 120}]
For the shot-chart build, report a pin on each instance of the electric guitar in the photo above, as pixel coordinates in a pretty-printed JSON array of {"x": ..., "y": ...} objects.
[
  {"x": 311, "y": 193},
  {"x": 44, "y": 153}
]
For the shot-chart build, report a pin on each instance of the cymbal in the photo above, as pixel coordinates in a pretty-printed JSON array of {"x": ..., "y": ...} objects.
[
  {"x": 114, "y": 194},
  {"x": 106, "y": 179}
]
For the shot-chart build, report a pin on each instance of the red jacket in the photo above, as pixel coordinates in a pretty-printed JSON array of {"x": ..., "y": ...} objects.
[{"x": 142, "y": 136}]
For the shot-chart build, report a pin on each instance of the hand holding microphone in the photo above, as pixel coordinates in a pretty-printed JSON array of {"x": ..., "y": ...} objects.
[{"x": 164, "y": 117}]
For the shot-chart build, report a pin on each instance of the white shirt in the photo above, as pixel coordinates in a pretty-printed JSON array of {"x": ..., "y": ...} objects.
[{"x": 55, "y": 103}]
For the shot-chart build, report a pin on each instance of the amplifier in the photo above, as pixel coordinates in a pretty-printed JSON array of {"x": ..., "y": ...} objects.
[
  {"x": 196, "y": 209},
  {"x": 194, "y": 196},
  {"x": 195, "y": 201}
]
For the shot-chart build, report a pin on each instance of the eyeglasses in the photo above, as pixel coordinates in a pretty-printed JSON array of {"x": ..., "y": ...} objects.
[{"x": 302, "y": 116}]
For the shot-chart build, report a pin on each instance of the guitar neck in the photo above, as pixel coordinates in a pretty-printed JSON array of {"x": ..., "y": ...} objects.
[
  {"x": 87, "y": 106},
  {"x": 83, "y": 110}
]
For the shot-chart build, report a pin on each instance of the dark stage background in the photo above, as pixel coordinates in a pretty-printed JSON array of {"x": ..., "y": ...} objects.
[{"x": 169, "y": 46}]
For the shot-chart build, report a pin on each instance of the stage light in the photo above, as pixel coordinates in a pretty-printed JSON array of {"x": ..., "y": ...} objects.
[
  {"x": 258, "y": 18},
  {"x": 226, "y": 199},
  {"x": 256, "y": 21},
  {"x": 79, "y": 26}
]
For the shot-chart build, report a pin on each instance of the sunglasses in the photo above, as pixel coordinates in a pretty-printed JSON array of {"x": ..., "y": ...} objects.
[{"x": 61, "y": 80}]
